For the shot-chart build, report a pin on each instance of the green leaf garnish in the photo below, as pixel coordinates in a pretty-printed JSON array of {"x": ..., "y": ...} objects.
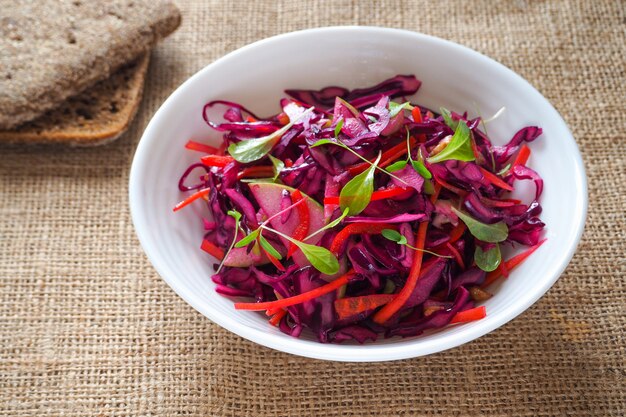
[
  {"x": 254, "y": 149},
  {"x": 396, "y": 166},
  {"x": 338, "y": 127},
  {"x": 357, "y": 193},
  {"x": 395, "y": 108},
  {"x": 321, "y": 258},
  {"x": 327, "y": 142},
  {"x": 421, "y": 169},
  {"x": 248, "y": 239},
  {"x": 237, "y": 216},
  {"x": 400, "y": 239},
  {"x": 488, "y": 260},
  {"x": 504, "y": 170},
  {"x": 447, "y": 118},
  {"x": 459, "y": 147},
  {"x": 269, "y": 248},
  {"x": 394, "y": 236},
  {"x": 331, "y": 224},
  {"x": 492, "y": 233},
  {"x": 259, "y": 180},
  {"x": 278, "y": 166}
]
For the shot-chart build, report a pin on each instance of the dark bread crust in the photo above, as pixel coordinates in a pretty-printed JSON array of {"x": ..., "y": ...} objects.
[
  {"x": 55, "y": 49},
  {"x": 97, "y": 116}
]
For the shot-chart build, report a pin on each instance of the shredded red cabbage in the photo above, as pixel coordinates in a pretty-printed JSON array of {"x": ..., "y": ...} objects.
[{"x": 378, "y": 248}]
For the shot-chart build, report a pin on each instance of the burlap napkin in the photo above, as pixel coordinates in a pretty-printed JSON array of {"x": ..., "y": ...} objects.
[{"x": 88, "y": 328}]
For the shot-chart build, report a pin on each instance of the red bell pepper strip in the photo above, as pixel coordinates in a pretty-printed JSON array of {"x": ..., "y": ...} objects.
[
  {"x": 510, "y": 264},
  {"x": 200, "y": 147},
  {"x": 277, "y": 317},
  {"x": 506, "y": 202},
  {"x": 522, "y": 156},
  {"x": 494, "y": 180},
  {"x": 503, "y": 270},
  {"x": 417, "y": 118},
  {"x": 256, "y": 172},
  {"x": 219, "y": 161},
  {"x": 357, "y": 228},
  {"x": 273, "y": 260},
  {"x": 351, "y": 306},
  {"x": 477, "y": 155},
  {"x": 304, "y": 221},
  {"x": 212, "y": 250},
  {"x": 283, "y": 119},
  {"x": 193, "y": 197},
  {"x": 472, "y": 314},
  {"x": 456, "y": 254},
  {"x": 457, "y": 232},
  {"x": 420, "y": 241},
  {"x": 300, "y": 298},
  {"x": 387, "y": 158},
  {"x": 396, "y": 304},
  {"x": 378, "y": 195},
  {"x": 450, "y": 187}
]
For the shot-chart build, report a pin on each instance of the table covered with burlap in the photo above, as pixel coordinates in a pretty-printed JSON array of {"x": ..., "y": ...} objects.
[{"x": 88, "y": 328}]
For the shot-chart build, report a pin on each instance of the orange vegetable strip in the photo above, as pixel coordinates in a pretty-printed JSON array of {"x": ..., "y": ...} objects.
[
  {"x": 389, "y": 156},
  {"x": 495, "y": 180},
  {"x": 212, "y": 250},
  {"x": 277, "y": 317},
  {"x": 522, "y": 156},
  {"x": 396, "y": 304},
  {"x": 219, "y": 161},
  {"x": 450, "y": 187},
  {"x": 256, "y": 171},
  {"x": 273, "y": 260},
  {"x": 417, "y": 114},
  {"x": 417, "y": 118},
  {"x": 507, "y": 202},
  {"x": 457, "y": 232},
  {"x": 193, "y": 197},
  {"x": 358, "y": 228},
  {"x": 435, "y": 195},
  {"x": 283, "y": 119},
  {"x": 272, "y": 311},
  {"x": 350, "y": 306},
  {"x": 200, "y": 147},
  {"x": 472, "y": 314},
  {"x": 302, "y": 229},
  {"x": 510, "y": 264},
  {"x": 300, "y": 298},
  {"x": 475, "y": 151},
  {"x": 378, "y": 195},
  {"x": 456, "y": 254},
  {"x": 503, "y": 270}
]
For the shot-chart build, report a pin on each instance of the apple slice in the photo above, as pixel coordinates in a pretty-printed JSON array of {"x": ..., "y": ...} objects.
[
  {"x": 240, "y": 258},
  {"x": 269, "y": 195}
]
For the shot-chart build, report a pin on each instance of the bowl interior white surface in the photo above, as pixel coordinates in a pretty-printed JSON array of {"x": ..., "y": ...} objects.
[{"x": 256, "y": 76}]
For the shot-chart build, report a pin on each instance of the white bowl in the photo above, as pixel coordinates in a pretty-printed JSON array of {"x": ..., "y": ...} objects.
[{"x": 256, "y": 75}]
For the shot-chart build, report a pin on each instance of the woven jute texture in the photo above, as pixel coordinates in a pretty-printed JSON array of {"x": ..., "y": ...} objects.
[{"x": 88, "y": 328}]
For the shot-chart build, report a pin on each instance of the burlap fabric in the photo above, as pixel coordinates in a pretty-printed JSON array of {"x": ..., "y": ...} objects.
[{"x": 88, "y": 328}]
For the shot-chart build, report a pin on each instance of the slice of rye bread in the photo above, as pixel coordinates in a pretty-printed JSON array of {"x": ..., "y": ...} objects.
[
  {"x": 54, "y": 49},
  {"x": 96, "y": 116}
]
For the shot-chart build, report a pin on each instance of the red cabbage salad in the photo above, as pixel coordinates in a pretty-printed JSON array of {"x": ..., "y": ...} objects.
[{"x": 356, "y": 213}]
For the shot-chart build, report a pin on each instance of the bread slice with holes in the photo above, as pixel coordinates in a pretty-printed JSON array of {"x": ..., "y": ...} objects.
[
  {"x": 55, "y": 49},
  {"x": 95, "y": 117}
]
